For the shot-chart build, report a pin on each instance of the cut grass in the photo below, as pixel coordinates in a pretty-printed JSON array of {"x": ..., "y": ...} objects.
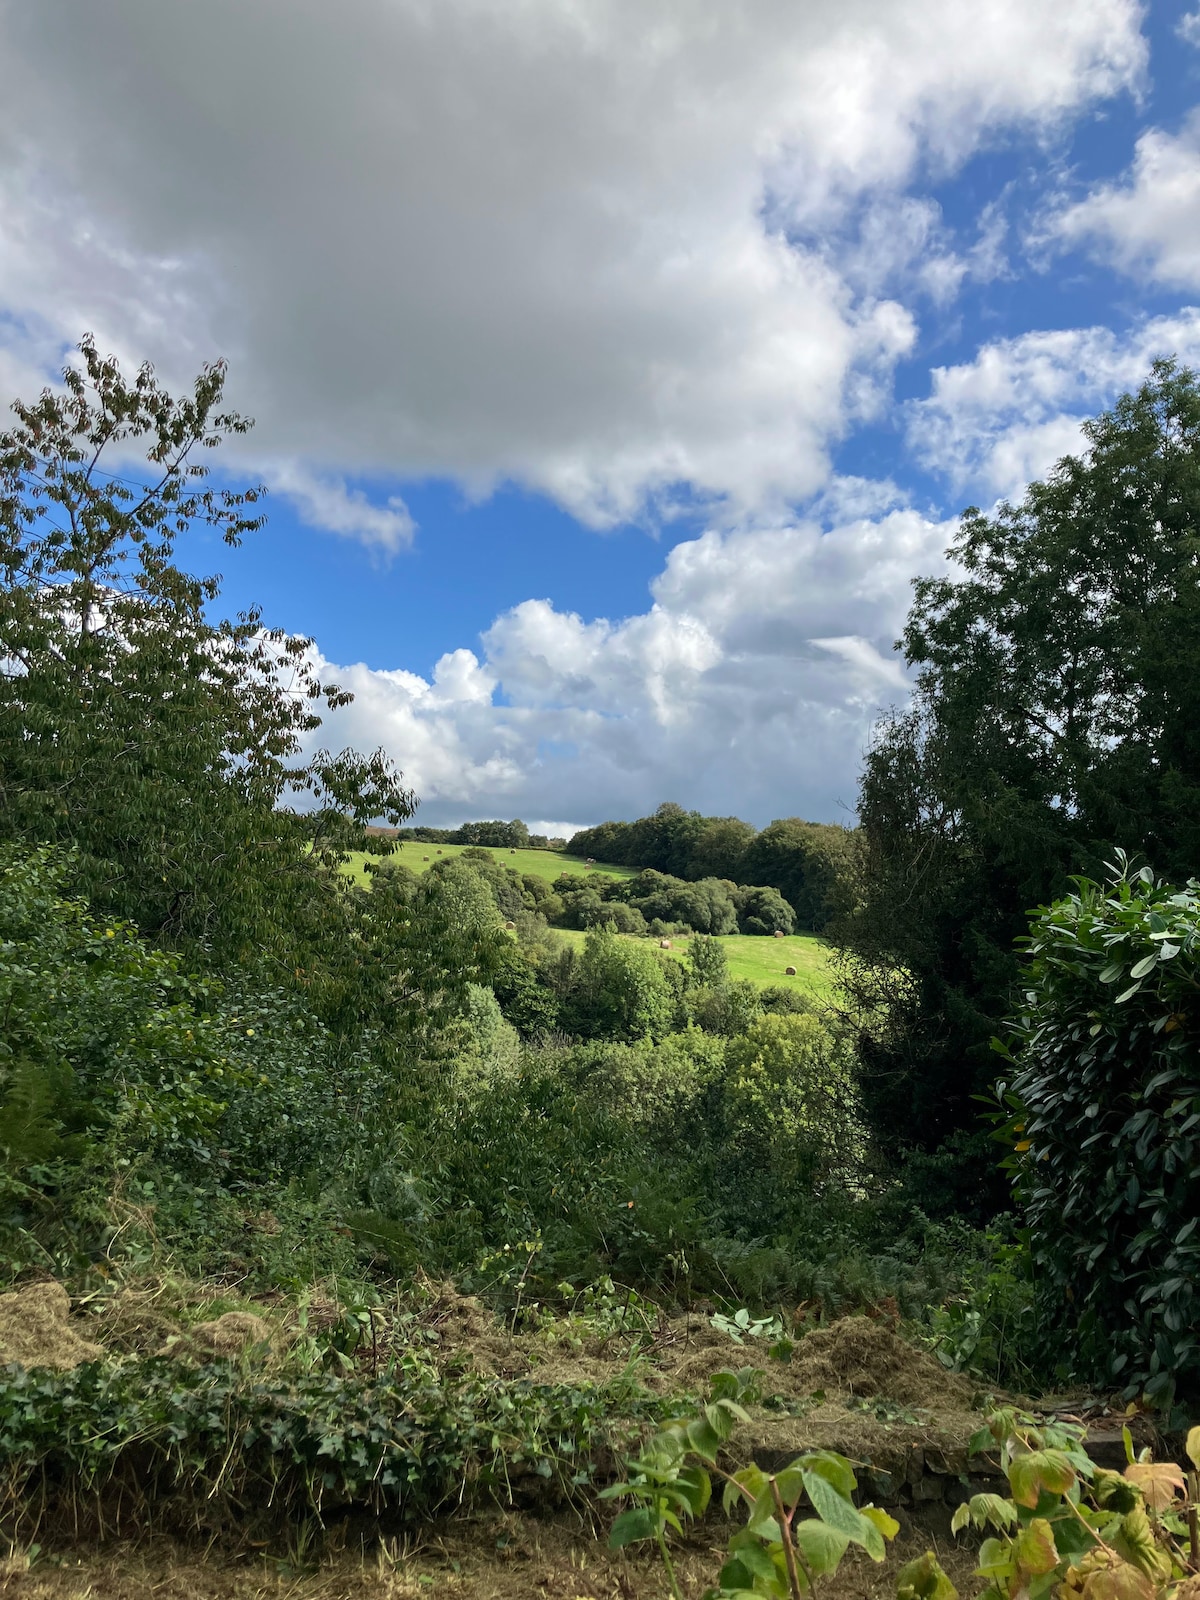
[
  {"x": 547, "y": 864},
  {"x": 762, "y": 960}
]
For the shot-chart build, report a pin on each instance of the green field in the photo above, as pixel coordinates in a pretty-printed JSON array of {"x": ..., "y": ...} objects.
[
  {"x": 762, "y": 960},
  {"x": 547, "y": 864},
  {"x": 758, "y": 959}
]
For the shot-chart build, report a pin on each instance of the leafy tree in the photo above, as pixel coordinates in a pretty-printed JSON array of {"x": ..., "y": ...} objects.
[
  {"x": 619, "y": 990},
  {"x": 707, "y": 959},
  {"x": 1103, "y": 1107},
  {"x": 1054, "y": 720},
  {"x": 763, "y": 911},
  {"x": 720, "y": 849},
  {"x": 807, "y": 862},
  {"x": 157, "y": 743}
]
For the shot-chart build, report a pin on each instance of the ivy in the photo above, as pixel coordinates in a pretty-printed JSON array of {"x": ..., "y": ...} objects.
[{"x": 310, "y": 1445}]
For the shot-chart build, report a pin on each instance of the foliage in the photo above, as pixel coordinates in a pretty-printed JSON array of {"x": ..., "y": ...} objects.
[
  {"x": 300, "y": 1444},
  {"x": 157, "y": 743},
  {"x": 774, "y": 1554},
  {"x": 1053, "y": 721},
  {"x": 802, "y": 870},
  {"x": 1103, "y": 1112},
  {"x": 1081, "y": 1531}
]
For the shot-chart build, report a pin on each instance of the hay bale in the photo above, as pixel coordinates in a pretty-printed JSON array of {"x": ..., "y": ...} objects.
[
  {"x": 664, "y": 944},
  {"x": 789, "y": 972},
  {"x": 510, "y": 924},
  {"x": 35, "y": 1329},
  {"x": 228, "y": 1336},
  {"x": 777, "y": 934}
]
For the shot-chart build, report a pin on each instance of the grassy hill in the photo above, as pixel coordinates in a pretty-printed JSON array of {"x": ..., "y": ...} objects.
[
  {"x": 547, "y": 864},
  {"x": 762, "y": 960}
]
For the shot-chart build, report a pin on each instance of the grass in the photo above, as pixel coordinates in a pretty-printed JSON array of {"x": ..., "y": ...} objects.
[
  {"x": 763, "y": 961},
  {"x": 760, "y": 960},
  {"x": 547, "y": 864}
]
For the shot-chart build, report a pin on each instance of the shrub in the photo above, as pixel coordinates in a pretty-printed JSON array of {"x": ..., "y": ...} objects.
[{"x": 1103, "y": 1111}]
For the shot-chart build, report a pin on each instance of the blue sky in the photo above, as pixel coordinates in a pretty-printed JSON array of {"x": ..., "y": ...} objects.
[{"x": 617, "y": 365}]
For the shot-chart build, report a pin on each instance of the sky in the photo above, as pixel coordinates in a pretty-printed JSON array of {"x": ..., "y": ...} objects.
[{"x": 615, "y": 364}]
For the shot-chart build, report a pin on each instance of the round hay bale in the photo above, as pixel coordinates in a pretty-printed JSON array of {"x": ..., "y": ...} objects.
[
  {"x": 790, "y": 972},
  {"x": 510, "y": 924},
  {"x": 439, "y": 852},
  {"x": 664, "y": 944},
  {"x": 424, "y": 858},
  {"x": 590, "y": 862},
  {"x": 776, "y": 935}
]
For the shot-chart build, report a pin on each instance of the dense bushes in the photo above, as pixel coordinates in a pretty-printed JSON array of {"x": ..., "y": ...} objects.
[
  {"x": 655, "y": 902},
  {"x": 807, "y": 864},
  {"x": 1105, "y": 1121}
]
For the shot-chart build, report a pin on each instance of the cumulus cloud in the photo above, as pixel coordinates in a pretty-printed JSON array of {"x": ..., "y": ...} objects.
[
  {"x": 749, "y": 686},
  {"x": 325, "y": 501},
  {"x": 584, "y": 247},
  {"x": 992, "y": 424},
  {"x": 1148, "y": 224}
]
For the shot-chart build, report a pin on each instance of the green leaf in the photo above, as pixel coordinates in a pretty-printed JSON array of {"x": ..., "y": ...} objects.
[
  {"x": 1036, "y": 1550},
  {"x": 630, "y": 1526},
  {"x": 704, "y": 1438},
  {"x": 754, "y": 1558},
  {"x": 1037, "y": 1470},
  {"x": 828, "y": 1464},
  {"x": 821, "y": 1546},
  {"x": 840, "y": 1514},
  {"x": 887, "y": 1525},
  {"x": 695, "y": 1487},
  {"x": 1145, "y": 965},
  {"x": 1192, "y": 1446},
  {"x": 923, "y": 1579}
]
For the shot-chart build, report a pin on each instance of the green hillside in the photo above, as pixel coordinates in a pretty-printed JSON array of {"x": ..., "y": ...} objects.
[
  {"x": 763, "y": 961},
  {"x": 547, "y": 864}
]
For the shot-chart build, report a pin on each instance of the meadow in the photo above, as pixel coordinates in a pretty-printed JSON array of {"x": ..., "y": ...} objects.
[
  {"x": 546, "y": 864},
  {"x": 762, "y": 961}
]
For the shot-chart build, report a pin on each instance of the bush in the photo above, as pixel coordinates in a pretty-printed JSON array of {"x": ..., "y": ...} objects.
[{"x": 1104, "y": 1117}]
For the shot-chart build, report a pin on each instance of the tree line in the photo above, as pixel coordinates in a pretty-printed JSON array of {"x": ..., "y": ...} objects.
[{"x": 808, "y": 863}]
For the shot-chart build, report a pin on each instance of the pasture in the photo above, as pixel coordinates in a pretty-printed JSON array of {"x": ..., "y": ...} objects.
[
  {"x": 762, "y": 961},
  {"x": 547, "y": 864}
]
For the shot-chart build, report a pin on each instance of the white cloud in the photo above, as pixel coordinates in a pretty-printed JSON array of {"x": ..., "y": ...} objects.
[
  {"x": 749, "y": 686},
  {"x": 994, "y": 423},
  {"x": 324, "y": 501},
  {"x": 1188, "y": 28},
  {"x": 580, "y": 246},
  {"x": 1148, "y": 224}
]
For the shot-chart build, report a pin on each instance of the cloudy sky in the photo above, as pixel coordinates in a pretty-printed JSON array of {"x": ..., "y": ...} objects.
[{"x": 616, "y": 363}]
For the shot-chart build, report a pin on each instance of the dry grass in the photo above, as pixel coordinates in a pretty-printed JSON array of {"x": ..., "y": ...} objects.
[{"x": 495, "y": 1557}]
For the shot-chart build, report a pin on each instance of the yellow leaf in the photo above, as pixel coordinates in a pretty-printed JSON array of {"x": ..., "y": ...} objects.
[
  {"x": 1036, "y": 1550},
  {"x": 1161, "y": 1482},
  {"x": 1193, "y": 1447}
]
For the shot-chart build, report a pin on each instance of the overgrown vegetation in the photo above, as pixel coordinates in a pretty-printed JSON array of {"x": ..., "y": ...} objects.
[{"x": 225, "y": 1060}]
